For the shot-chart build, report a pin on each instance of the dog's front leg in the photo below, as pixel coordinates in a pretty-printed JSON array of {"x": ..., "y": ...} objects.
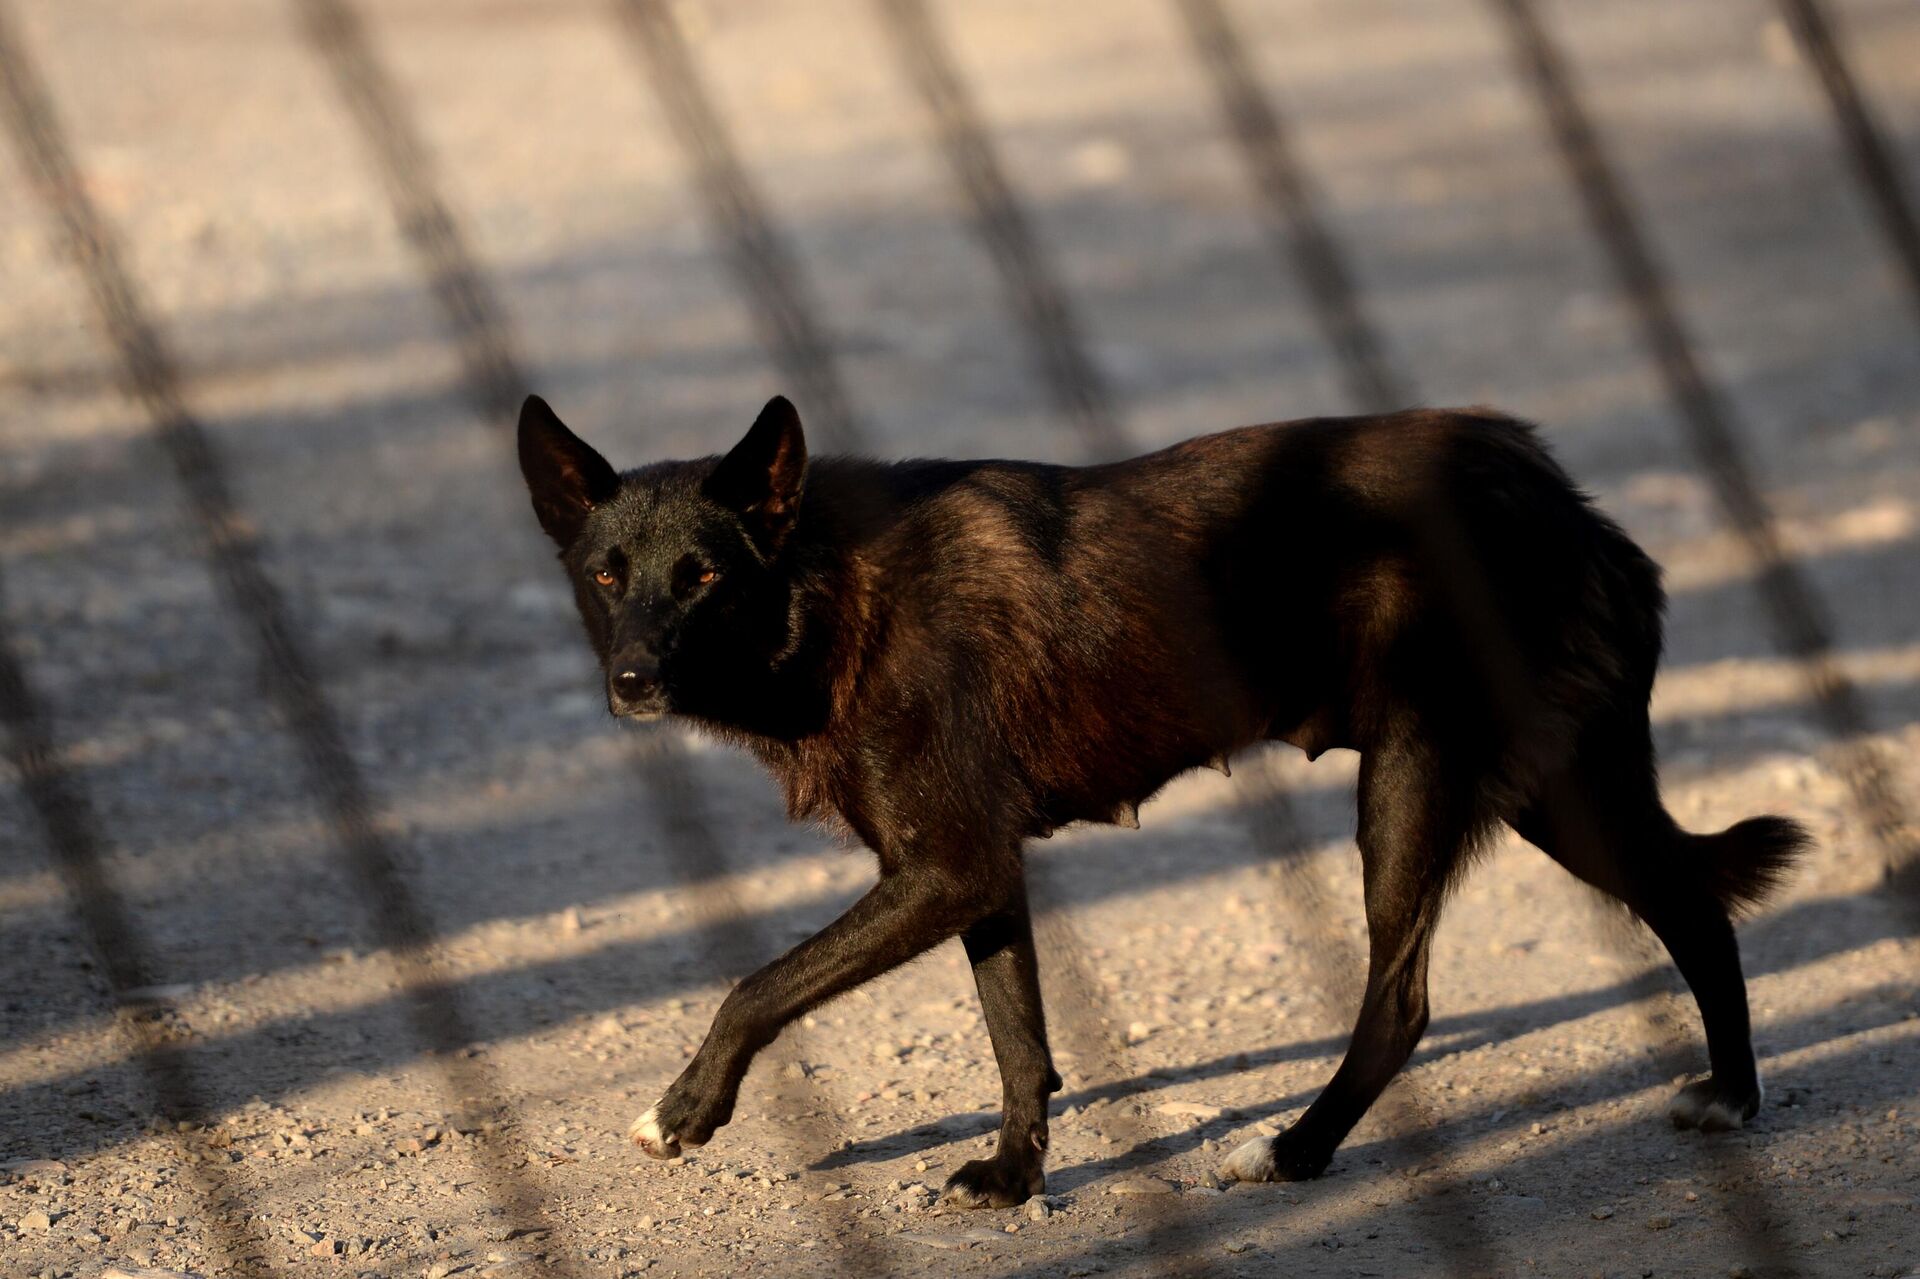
[
  {"x": 906, "y": 913},
  {"x": 1006, "y": 970}
]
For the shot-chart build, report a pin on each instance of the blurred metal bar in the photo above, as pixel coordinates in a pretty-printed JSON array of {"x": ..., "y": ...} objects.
[
  {"x": 773, "y": 282},
  {"x": 1085, "y": 1019},
  {"x": 1875, "y": 163},
  {"x": 1713, "y": 432},
  {"x": 1083, "y": 399},
  {"x": 65, "y": 811},
  {"x": 779, "y": 297},
  {"x": 1290, "y": 210},
  {"x": 1292, "y": 215},
  {"x": 493, "y": 377},
  {"x": 1079, "y": 390},
  {"x": 726, "y": 933},
  {"x": 228, "y": 542},
  {"x": 1378, "y": 386}
]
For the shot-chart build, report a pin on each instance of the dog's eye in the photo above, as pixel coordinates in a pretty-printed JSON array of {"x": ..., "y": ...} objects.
[
  {"x": 708, "y": 576},
  {"x": 603, "y": 578}
]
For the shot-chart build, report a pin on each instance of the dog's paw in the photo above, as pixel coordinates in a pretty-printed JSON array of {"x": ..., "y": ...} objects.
[
  {"x": 1273, "y": 1159},
  {"x": 1711, "y": 1107},
  {"x": 645, "y": 1133},
  {"x": 679, "y": 1120},
  {"x": 989, "y": 1183}
]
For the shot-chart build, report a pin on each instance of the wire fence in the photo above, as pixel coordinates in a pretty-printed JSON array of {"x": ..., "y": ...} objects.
[{"x": 771, "y": 277}]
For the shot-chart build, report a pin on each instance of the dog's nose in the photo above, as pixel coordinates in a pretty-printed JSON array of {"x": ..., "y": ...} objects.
[{"x": 634, "y": 682}]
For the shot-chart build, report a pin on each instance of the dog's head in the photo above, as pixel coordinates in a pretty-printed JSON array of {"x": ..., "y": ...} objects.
[{"x": 677, "y": 567}]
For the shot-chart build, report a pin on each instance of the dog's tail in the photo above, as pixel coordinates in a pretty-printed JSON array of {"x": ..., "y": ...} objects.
[{"x": 1748, "y": 861}]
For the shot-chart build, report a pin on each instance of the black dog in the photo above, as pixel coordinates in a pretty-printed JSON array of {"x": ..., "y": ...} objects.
[{"x": 952, "y": 657}]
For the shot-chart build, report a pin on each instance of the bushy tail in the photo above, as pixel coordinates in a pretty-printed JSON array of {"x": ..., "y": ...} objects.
[{"x": 1745, "y": 863}]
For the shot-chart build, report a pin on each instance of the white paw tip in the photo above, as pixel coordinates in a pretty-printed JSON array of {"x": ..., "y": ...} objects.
[
  {"x": 1251, "y": 1162},
  {"x": 1695, "y": 1107},
  {"x": 645, "y": 1133}
]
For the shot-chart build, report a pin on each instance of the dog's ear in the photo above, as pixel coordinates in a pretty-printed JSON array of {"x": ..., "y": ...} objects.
[
  {"x": 761, "y": 480},
  {"x": 566, "y": 478}
]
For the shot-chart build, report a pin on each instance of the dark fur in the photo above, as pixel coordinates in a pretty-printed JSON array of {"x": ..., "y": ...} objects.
[{"x": 952, "y": 657}]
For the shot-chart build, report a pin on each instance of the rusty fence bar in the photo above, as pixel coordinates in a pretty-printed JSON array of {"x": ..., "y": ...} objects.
[
  {"x": 232, "y": 555},
  {"x": 1875, "y": 163}
]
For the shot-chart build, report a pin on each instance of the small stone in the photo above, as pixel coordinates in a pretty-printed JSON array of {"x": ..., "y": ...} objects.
[
  {"x": 1190, "y": 1110},
  {"x": 1138, "y": 1032},
  {"x": 35, "y": 1169},
  {"x": 1661, "y": 1222},
  {"x": 1037, "y": 1208},
  {"x": 36, "y": 1221},
  {"x": 950, "y": 1243},
  {"x": 324, "y": 1248},
  {"x": 1602, "y": 1212},
  {"x": 1236, "y": 1246},
  {"x": 1140, "y": 1185}
]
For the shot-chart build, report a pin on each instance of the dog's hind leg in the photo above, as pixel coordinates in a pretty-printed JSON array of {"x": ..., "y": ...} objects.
[
  {"x": 1414, "y": 823},
  {"x": 1006, "y": 970},
  {"x": 1602, "y": 819}
]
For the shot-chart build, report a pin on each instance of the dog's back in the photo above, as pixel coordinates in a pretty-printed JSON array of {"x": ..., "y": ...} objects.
[
  {"x": 951, "y": 657},
  {"x": 1102, "y": 629}
]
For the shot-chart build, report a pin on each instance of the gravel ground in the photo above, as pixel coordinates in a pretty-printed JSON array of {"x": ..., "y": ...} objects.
[{"x": 1208, "y": 999}]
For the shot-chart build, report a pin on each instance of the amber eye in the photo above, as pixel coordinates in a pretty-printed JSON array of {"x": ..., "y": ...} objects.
[
  {"x": 603, "y": 578},
  {"x": 709, "y": 577}
]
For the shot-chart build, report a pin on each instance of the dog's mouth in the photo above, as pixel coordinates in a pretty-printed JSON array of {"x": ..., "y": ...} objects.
[
  {"x": 644, "y": 710},
  {"x": 644, "y": 699}
]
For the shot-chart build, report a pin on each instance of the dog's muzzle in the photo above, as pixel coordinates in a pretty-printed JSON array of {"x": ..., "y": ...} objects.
[{"x": 634, "y": 690}]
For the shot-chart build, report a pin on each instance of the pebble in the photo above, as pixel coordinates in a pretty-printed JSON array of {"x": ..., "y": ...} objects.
[
  {"x": 36, "y": 1221},
  {"x": 1038, "y": 1209},
  {"x": 132, "y": 1272},
  {"x": 1140, "y": 1185},
  {"x": 1602, "y": 1212},
  {"x": 1191, "y": 1110},
  {"x": 34, "y": 1169},
  {"x": 951, "y": 1243}
]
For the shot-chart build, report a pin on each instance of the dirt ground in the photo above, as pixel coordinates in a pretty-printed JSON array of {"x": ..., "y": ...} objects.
[{"x": 537, "y": 831}]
